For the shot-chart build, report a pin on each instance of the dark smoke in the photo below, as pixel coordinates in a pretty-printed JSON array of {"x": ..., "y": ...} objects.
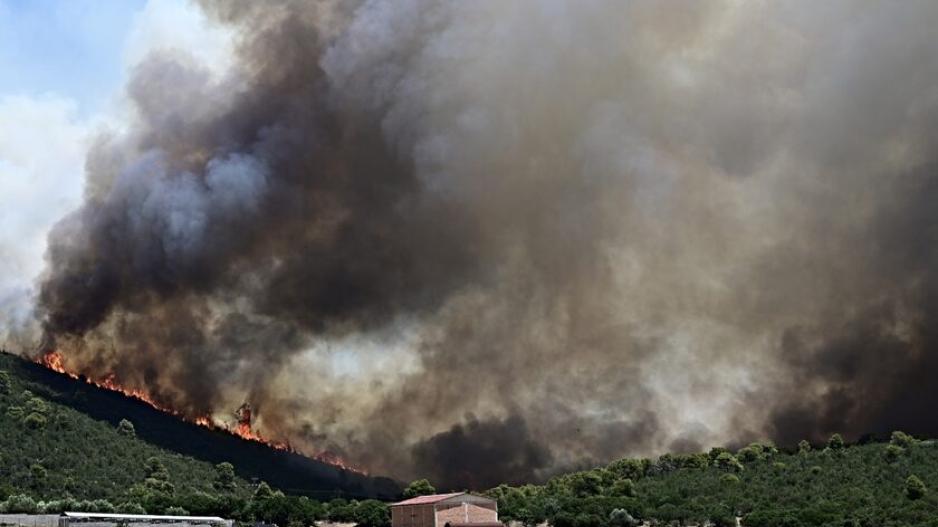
[
  {"x": 482, "y": 454},
  {"x": 596, "y": 228}
]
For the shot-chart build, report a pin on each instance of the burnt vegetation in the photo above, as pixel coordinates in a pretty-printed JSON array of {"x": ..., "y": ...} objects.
[{"x": 79, "y": 422}]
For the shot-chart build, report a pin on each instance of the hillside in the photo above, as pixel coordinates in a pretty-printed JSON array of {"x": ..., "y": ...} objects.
[
  {"x": 874, "y": 484},
  {"x": 83, "y": 452}
]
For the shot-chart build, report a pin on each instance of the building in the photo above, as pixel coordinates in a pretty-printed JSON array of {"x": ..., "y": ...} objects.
[{"x": 445, "y": 510}]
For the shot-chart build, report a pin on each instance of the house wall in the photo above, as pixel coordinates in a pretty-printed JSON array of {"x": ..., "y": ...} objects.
[
  {"x": 412, "y": 516},
  {"x": 463, "y": 512}
]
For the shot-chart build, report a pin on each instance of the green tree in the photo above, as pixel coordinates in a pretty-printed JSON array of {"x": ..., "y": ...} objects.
[
  {"x": 420, "y": 487},
  {"x": 748, "y": 454},
  {"x": 914, "y": 487},
  {"x": 224, "y": 476},
  {"x": 20, "y": 504},
  {"x": 728, "y": 462},
  {"x": 729, "y": 478},
  {"x": 372, "y": 513},
  {"x": 38, "y": 472},
  {"x": 902, "y": 440},
  {"x": 627, "y": 468},
  {"x": 893, "y": 452},
  {"x": 623, "y": 487},
  {"x": 126, "y": 428},
  {"x": 804, "y": 447},
  {"x": 35, "y": 421},
  {"x": 263, "y": 491},
  {"x": 5, "y": 382},
  {"x": 585, "y": 484},
  {"x": 155, "y": 469},
  {"x": 836, "y": 442}
]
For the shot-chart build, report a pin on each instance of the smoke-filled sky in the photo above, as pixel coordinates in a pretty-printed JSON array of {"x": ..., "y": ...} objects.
[{"x": 485, "y": 241}]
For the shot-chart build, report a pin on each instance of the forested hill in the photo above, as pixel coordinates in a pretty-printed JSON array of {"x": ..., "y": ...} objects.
[
  {"x": 70, "y": 429},
  {"x": 892, "y": 483}
]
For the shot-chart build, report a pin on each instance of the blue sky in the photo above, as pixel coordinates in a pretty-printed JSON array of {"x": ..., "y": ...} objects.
[
  {"x": 63, "y": 65},
  {"x": 69, "y": 48}
]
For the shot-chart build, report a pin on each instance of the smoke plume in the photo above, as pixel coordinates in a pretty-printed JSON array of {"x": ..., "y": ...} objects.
[{"x": 483, "y": 241}]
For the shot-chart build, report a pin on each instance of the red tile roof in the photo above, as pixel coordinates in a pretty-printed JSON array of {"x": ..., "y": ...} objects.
[{"x": 432, "y": 498}]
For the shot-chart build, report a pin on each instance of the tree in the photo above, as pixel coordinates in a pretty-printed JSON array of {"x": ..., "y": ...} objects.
[
  {"x": 130, "y": 507},
  {"x": 263, "y": 491},
  {"x": 38, "y": 471},
  {"x": 5, "y": 382},
  {"x": 154, "y": 469},
  {"x": 627, "y": 468},
  {"x": 748, "y": 454},
  {"x": 623, "y": 487},
  {"x": 836, "y": 442},
  {"x": 804, "y": 447},
  {"x": 126, "y": 428},
  {"x": 914, "y": 487},
  {"x": 728, "y": 462},
  {"x": 372, "y": 513},
  {"x": 729, "y": 479},
  {"x": 420, "y": 487},
  {"x": 35, "y": 421},
  {"x": 893, "y": 453},
  {"x": 902, "y": 440},
  {"x": 224, "y": 476},
  {"x": 20, "y": 504},
  {"x": 584, "y": 484}
]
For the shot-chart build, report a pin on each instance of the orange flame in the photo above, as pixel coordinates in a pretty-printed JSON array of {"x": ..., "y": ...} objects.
[{"x": 55, "y": 362}]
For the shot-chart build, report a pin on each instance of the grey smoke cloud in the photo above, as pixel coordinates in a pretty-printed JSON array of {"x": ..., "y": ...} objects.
[{"x": 536, "y": 234}]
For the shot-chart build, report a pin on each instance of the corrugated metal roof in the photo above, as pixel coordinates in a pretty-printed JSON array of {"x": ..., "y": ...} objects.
[{"x": 431, "y": 498}]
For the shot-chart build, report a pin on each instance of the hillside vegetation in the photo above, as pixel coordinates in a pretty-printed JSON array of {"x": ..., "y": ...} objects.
[
  {"x": 291, "y": 472},
  {"x": 55, "y": 458},
  {"x": 870, "y": 485}
]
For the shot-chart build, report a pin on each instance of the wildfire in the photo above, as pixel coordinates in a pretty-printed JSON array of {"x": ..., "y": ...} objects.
[{"x": 54, "y": 361}]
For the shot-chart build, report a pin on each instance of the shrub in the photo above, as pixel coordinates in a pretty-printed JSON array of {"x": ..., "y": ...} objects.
[
  {"x": 627, "y": 468},
  {"x": 623, "y": 487},
  {"x": 35, "y": 421},
  {"x": 836, "y": 442},
  {"x": 914, "y": 487},
  {"x": 224, "y": 476},
  {"x": 902, "y": 440},
  {"x": 37, "y": 471},
  {"x": 131, "y": 507},
  {"x": 748, "y": 454},
  {"x": 804, "y": 447},
  {"x": 729, "y": 479},
  {"x": 5, "y": 382},
  {"x": 893, "y": 452},
  {"x": 372, "y": 513},
  {"x": 20, "y": 504},
  {"x": 126, "y": 428},
  {"x": 727, "y": 461}
]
